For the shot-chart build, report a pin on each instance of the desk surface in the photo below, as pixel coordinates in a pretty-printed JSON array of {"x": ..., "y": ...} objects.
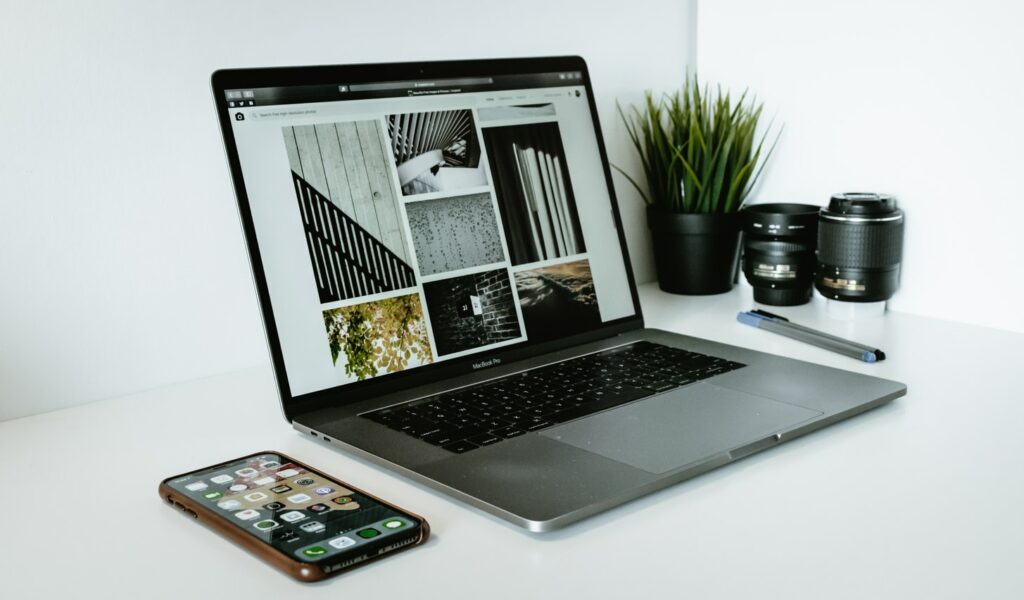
[{"x": 921, "y": 498}]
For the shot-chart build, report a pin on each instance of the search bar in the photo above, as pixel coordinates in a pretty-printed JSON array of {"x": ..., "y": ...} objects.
[{"x": 421, "y": 84}]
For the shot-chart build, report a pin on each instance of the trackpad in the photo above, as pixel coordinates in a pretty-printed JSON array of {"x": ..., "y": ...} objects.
[{"x": 669, "y": 431}]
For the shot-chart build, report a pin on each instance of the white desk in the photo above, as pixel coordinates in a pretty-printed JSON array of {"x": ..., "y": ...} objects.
[{"x": 922, "y": 498}]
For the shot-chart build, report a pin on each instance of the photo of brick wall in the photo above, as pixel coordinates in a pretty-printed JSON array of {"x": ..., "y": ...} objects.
[{"x": 471, "y": 311}]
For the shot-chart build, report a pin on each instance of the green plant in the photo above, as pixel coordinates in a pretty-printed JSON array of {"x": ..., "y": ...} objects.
[
  {"x": 700, "y": 154},
  {"x": 378, "y": 336}
]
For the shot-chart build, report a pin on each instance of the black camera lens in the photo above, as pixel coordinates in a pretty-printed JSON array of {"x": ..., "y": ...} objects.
[
  {"x": 860, "y": 245},
  {"x": 778, "y": 251}
]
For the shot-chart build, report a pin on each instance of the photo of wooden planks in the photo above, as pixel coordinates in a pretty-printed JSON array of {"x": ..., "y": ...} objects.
[{"x": 349, "y": 165}]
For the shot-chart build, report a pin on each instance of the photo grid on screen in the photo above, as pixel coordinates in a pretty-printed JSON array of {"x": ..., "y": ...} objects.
[{"x": 429, "y": 238}]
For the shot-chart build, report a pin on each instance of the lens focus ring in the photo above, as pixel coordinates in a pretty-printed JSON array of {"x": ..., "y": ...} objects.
[
  {"x": 777, "y": 246},
  {"x": 862, "y": 245}
]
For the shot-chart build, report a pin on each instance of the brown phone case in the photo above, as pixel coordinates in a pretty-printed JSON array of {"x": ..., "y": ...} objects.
[{"x": 302, "y": 571}]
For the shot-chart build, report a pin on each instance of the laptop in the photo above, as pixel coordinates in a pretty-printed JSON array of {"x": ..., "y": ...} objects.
[{"x": 446, "y": 291}]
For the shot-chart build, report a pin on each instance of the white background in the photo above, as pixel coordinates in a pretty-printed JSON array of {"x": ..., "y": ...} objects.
[
  {"x": 123, "y": 265},
  {"x": 918, "y": 99}
]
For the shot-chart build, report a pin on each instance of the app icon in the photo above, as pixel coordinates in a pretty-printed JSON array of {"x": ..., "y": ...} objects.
[
  {"x": 368, "y": 533},
  {"x": 292, "y": 516},
  {"x": 345, "y": 503},
  {"x": 238, "y": 487},
  {"x": 266, "y": 524},
  {"x": 222, "y": 478},
  {"x": 285, "y": 473},
  {"x": 239, "y": 116},
  {"x": 269, "y": 464},
  {"x": 229, "y": 504},
  {"x": 247, "y": 472},
  {"x": 280, "y": 489},
  {"x": 319, "y": 508},
  {"x": 323, "y": 491},
  {"x": 212, "y": 495},
  {"x": 394, "y": 523},
  {"x": 264, "y": 480},
  {"x": 196, "y": 487},
  {"x": 304, "y": 481},
  {"x": 255, "y": 496},
  {"x": 248, "y": 514},
  {"x": 273, "y": 506},
  {"x": 299, "y": 498},
  {"x": 342, "y": 542},
  {"x": 312, "y": 527},
  {"x": 315, "y": 551}
]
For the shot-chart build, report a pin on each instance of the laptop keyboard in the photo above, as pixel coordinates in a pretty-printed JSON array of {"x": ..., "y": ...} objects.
[{"x": 487, "y": 413}]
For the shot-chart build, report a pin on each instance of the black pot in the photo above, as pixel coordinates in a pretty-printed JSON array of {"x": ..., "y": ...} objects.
[{"x": 695, "y": 253}]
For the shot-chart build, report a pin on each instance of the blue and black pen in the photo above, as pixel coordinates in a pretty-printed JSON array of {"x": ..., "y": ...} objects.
[{"x": 782, "y": 326}]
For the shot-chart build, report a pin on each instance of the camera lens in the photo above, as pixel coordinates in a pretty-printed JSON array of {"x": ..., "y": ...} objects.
[
  {"x": 860, "y": 245},
  {"x": 778, "y": 251}
]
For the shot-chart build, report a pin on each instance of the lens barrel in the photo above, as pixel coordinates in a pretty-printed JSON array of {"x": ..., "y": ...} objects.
[
  {"x": 778, "y": 251},
  {"x": 860, "y": 246}
]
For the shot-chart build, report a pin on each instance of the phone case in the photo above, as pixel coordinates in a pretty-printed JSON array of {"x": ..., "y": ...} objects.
[{"x": 302, "y": 571}]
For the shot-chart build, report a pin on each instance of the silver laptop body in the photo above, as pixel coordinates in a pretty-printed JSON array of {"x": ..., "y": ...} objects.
[{"x": 426, "y": 230}]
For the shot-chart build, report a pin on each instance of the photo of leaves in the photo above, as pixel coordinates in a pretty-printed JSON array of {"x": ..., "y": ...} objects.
[{"x": 379, "y": 337}]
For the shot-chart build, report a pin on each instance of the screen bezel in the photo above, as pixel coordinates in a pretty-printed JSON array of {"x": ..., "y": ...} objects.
[{"x": 361, "y": 390}]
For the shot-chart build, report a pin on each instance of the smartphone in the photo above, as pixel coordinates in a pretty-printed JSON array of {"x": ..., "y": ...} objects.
[{"x": 300, "y": 520}]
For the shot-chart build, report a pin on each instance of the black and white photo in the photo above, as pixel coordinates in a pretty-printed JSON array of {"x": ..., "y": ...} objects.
[
  {"x": 538, "y": 209},
  {"x": 471, "y": 311},
  {"x": 349, "y": 208},
  {"x": 436, "y": 151},
  {"x": 454, "y": 233}
]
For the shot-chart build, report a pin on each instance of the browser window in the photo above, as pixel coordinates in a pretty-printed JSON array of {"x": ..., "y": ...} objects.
[{"x": 406, "y": 223}]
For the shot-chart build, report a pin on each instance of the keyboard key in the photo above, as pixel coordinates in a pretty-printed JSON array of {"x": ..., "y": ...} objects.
[
  {"x": 382, "y": 416},
  {"x": 438, "y": 438},
  {"x": 508, "y": 432},
  {"x": 485, "y": 439},
  {"x": 460, "y": 446}
]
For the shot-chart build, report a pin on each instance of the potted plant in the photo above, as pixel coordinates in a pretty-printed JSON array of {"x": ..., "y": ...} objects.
[{"x": 701, "y": 156}]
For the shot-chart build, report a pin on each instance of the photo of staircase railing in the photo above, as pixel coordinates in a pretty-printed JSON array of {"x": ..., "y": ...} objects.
[{"x": 347, "y": 260}]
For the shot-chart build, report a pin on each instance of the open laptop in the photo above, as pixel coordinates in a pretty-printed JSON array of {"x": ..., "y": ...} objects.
[{"x": 444, "y": 281}]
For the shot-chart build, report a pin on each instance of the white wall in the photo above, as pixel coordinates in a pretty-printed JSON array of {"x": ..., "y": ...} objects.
[
  {"x": 122, "y": 264},
  {"x": 918, "y": 99}
]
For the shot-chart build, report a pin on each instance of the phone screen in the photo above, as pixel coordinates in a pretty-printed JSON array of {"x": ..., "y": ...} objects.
[{"x": 300, "y": 512}]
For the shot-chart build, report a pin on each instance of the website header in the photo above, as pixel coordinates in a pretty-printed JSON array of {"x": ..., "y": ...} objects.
[{"x": 267, "y": 96}]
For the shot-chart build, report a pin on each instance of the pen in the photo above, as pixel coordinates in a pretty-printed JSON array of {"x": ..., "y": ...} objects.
[
  {"x": 782, "y": 326},
  {"x": 879, "y": 355}
]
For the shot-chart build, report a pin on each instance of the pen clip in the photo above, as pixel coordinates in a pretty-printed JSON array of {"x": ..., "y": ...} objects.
[{"x": 765, "y": 313}]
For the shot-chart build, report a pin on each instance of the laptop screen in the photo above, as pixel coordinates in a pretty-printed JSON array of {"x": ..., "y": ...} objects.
[{"x": 408, "y": 223}]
